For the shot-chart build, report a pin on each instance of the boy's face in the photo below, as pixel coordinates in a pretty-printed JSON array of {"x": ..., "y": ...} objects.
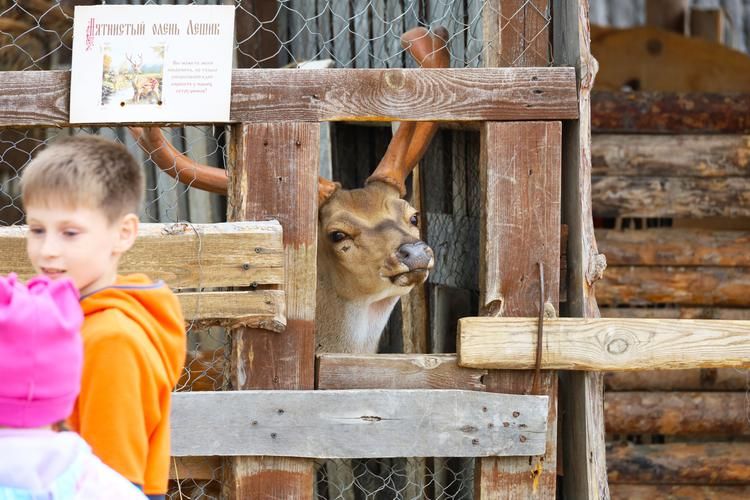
[{"x": 78, "y": 243}]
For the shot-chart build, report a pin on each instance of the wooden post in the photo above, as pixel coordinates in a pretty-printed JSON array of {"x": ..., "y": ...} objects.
[
  {"x": 668, "y": 14},
  {"x": 581, "y": 393},
  {"x": 275, "y": 176}
]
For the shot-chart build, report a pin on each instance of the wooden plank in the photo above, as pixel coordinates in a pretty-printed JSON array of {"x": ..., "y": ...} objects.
[
  {"x": 275, "y": 176},
  {"x": 677, "y": 312},
  {"x": 195, "y": 468},
  {"x": 677, "y": 413},
  {"x": 707, "y": 23},
  {"x": 520, "y": 223},
  {"x": 524, "y": 33},
  {"x": 40, "y": 98},
  {"x": 691, "y": 286},
  {"x": 396, "y": 371},
  {"x": 670, "y": 112},
  {"x": 256, "y": 24},
  {"x": 695, "y": 379},
  {"x": 254, "y": 309},
  {"x": 604, "y": 343},
  {"x": 674, "y": 247},
  {"x": 680, "y": 155},
  {"x": 680, "y": 463},
  {"x": 683, "y": 492},
  {"x": 369, "y": 423},
  {"x": 184, "y": 255}
]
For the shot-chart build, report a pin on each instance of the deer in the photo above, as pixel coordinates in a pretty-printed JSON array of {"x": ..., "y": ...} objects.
[
  {"x": 370, "y": 253},
  {"x": 143, "y": 86}
]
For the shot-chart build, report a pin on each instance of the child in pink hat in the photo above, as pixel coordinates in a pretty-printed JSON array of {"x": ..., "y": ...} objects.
[{"x": 41, "y": 358}]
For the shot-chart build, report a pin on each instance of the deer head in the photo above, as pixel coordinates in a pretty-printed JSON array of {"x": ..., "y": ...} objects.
[
  {"x": 136, "y": 64},
  {"x": 369, "y": 247}
]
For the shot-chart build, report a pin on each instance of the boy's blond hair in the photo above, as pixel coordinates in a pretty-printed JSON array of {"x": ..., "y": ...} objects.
[{"x": 88, "y": 171}]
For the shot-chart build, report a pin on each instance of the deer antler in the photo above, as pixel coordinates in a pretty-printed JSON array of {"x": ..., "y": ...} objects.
[{"x": 411, "y": 140}]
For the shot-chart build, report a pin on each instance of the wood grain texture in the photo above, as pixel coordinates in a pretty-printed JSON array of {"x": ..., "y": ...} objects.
[
  {"x": 670, "y": 112},
  {"x": 263, "y": 309},
  {"x": 683, "y": 492},
  {"x": 677, "y": 413},
  {"x": 680, "y": 463},
  {"x": 604, "y": 343},
  {"x": 674, "y": 247},
  {"x": 40, "y": 98},
  {"x": 275, "y": 176},
  {"x": 357, "y": 423},
  {"x": 196, "y": 468},
  {"x": 681, "y": 155},
  {"x": 693, "y": 379},
  {"x": 681, "y": 312},
  {"x": 690, "y": 286},
  {"x": 184, "y": 255},
  {"x": 687, "y": 197},
  {"x": 396, "y": 371}
]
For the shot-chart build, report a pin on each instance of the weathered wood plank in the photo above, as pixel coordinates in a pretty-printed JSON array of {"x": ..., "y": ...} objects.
[
  {"x": 604, "y": 343},
  {"x": 524, "y": 33},
  {"x": 275, "y": 176},
  {"x": 40, "y": 98},
  {"x": 696, "y": 286},
  {"x": 707, "y": 23},
  {"x": 184, "y": 255},
  {"x": 671, "y": 155},
  {"x": 396, "y": 371},
  {"x": 358, "y": 423},
  {"x": 680, "y": 463},
  {"x": 677, "y": 413},
  {"x": 674, "y": 247},
  {"x": 696, "y": 379},
  {"x": 670, "y": 112},
  {"x": 196, "y": 468},
  {"x": 677, "y": 312},
  {"x": 254, "y": 309},
  {"x": 683, "y": 492},
  {"x": 688, "y": 197}
]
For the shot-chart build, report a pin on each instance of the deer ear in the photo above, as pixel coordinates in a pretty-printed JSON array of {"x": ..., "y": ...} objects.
[{"x": 326, "y": 189}]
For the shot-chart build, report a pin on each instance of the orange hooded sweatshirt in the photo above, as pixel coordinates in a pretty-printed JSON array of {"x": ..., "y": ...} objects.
[{"x": 134, "y": 351}]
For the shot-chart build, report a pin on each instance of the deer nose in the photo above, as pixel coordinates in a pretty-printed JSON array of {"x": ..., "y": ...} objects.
[{"x": 415, "y": 255}]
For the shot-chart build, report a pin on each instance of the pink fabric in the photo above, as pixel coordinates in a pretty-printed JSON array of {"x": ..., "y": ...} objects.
[{"x": 41, "y": 351}]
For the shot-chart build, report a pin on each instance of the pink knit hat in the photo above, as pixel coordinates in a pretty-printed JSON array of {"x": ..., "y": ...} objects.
[{"x": 41, "y": 351}]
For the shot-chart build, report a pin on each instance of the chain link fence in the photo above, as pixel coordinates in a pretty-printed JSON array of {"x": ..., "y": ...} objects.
[{"x": 37, "y": 35}]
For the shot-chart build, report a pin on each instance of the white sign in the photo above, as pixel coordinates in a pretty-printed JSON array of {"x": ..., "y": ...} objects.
[{"x": 151, "y": 63}]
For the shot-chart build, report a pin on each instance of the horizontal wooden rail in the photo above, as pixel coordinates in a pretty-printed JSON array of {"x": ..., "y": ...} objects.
[
  {"x": 670, "y": 112},
  {"x": 264, "y": 309},
  {"x": 697, "y": 379},
  {"x": 674, "y": 247},
  {"x": 679, "y": 463},
  {"x": 682, "y": 312},
  {"x": 358, "y": 424},
  {"x": 683, "y": 492},
  {"x": 41, "y": 98},
  {"x": 604, "y": 344},
  {"x": 677, "y": 413}
]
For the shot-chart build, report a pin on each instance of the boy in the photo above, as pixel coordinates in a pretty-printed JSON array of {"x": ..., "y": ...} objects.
[{"x": 81, "y": 197}]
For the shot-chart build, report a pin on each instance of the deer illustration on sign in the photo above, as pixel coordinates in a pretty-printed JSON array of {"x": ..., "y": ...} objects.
[{"x": 145, "y": 87}]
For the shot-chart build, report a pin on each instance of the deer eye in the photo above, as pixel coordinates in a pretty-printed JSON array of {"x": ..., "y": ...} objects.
[
  {"x": 414, "y": 220},
  {"x": 337, "y": 236}
]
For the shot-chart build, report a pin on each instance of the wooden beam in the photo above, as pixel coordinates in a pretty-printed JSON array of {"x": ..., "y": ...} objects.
[
  {"x": 690, "y": 286},
  {"x": 683, "y": 492},
  {"x": 681, "y": 155},
  {"x": 396, "y": 371},
  {"x": 694, "y": 379},
  {"x": 682, "y": 312},
  {"x": 40, "y": 98},
  {"x": 184, "y": 255},
  {"x": 254, "y": 309},
  {"x": 668, "y": 247},
  {"x": 275, "y": 176},
  {"x": 677, "y": 413},
  {"x": 195, "y": 468},
  {"x": 604, "y": 343},
  {"x": 707, "y": 23},
  {"x": 670, "y": 112},
  {"x": 357, "y": 423},
  {"x": 680, "y": 463}
]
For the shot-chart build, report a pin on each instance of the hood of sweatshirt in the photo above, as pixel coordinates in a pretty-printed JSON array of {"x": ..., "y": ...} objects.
[{"x": 154, "y": 307}]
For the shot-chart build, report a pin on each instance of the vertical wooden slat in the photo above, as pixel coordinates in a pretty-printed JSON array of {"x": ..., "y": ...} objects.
[
  {"x": 520, "y": 178},
  {"x": 581, "y": 393},
  {"x": 275, "y": 176},
  {"x": 520, "y": 226},
  {"x": 256, "y": 24}
]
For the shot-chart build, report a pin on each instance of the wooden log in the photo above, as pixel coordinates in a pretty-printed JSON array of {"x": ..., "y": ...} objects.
[
  {"x": 40, "y": 98},
  {"x": 604, "y": 343},
  {"x": 677, "y": 312},
  {"x": 695, "y": 379},
  {"x": 677, "y": 413},
  {"x": 670, "y": 112},
  {"x": 680, "y": 155},
  {"x": 699, "y": 286},
  {"x": 680, "y": 463},
  {"x": 674, "y": 247},
  {"x": 396, "y": 371},
  {"x": 184, "y": 255},
  {"x": 687, "y": 197},
  {"x": 683, "y": 492},
  {"x": 275, "y": 176},
  {"x": 369, "y": 423}
]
